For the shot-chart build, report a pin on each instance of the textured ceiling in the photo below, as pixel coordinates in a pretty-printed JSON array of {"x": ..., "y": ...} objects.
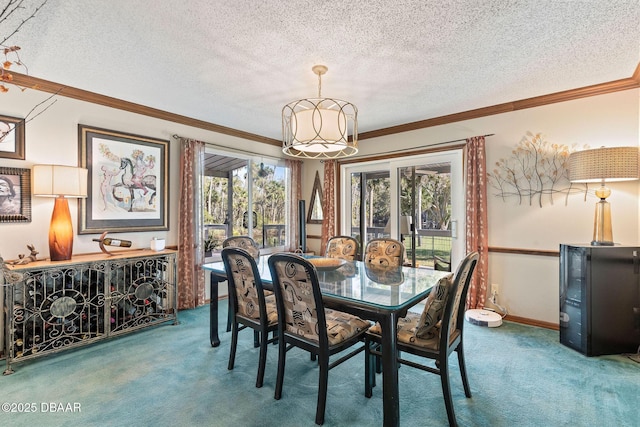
[{"x": 235, "y": 63}]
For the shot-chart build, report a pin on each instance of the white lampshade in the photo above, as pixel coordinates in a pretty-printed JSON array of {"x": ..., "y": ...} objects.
[
  {"x": 56, "y": 181},
  {"x": 405, "y": 224},
  {"x": 319, "y": 130},
  {"x": 319, "y": 127}
]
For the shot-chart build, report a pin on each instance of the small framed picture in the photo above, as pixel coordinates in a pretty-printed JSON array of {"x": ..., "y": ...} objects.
[
  {"x": 15, "y": 195},
  {"x": 127, "y": 183},
  {"x": 11, "y": 138}
]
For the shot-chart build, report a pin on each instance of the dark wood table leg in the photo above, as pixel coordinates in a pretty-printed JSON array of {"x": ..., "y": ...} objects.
[
  {"x": 213, "y": 310},
  {"x": 390, "y": 393}
]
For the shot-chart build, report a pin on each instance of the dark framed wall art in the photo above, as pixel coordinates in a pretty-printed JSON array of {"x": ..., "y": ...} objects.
[
  {"x": 15, "y": 195},
  {"x": 127, "y": 182},
  {"x": 315, "y": 214},
  {"x": 11, "y": 138}
]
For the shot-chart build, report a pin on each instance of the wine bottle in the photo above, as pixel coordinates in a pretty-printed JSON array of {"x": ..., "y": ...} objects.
[{"x": 115, "y": 242}]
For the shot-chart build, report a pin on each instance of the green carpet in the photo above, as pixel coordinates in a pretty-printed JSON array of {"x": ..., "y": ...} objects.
[{"x": 171, "y": 376}]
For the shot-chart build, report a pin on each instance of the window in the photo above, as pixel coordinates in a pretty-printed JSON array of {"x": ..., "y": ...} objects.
[{"x": 232, "y": 184}]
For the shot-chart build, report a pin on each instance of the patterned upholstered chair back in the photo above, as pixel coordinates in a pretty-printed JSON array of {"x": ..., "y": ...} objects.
[
  {"x": 456, "y": 300},
  {"x": 384, "y": 252},
  {"x": 303, "y": 322},
  {"x": 343, "y": 247},
  {"x": 245, "y": 287},
  {"x": 298, "y": 296},
  {"x": 243, "y": 242}
]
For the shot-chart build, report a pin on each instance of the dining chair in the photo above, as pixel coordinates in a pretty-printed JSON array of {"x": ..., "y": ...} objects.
[
  {"x": 384, "y": 252},
  {"x": 441, "y": 264},
  {"x": 244, "y": 242},
  {"x": 249, "y": 245},
  {"x": 304, "y": 322},
  {"x": 250, "y": 308},
  {"x": 433, "y": 334},
  {"x": 343, "y": 247}
]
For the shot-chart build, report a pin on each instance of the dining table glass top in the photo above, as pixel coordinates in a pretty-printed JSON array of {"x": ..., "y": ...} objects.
[{"x": 387, "y": 288}]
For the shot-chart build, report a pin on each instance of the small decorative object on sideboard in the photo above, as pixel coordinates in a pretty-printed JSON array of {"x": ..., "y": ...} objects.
[
  {"x": 157, "y": 244},
  {"x": 22, "y": 259},
  {"x": 103, "y": 240}
]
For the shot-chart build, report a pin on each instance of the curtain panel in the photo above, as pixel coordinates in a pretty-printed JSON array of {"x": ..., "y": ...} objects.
[
  {"x": 295, "y": 194},
  {"x": 476, "y": 218},
  {"x": 328, "y": 204},
  {"x": 191, "y": 285}
]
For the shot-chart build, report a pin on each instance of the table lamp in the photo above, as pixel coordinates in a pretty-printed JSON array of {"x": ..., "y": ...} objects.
[
  {"x": 405, "y": 226},
  {"x": 605, "y": 164},
  {"x": 61, "y": 182}
]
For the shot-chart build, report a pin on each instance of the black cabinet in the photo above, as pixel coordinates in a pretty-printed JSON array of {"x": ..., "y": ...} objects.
[{"x": 600, "y": 298}]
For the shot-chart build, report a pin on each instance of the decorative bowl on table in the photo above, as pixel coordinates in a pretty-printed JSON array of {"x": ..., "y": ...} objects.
[{"x": 327, "y": 264}]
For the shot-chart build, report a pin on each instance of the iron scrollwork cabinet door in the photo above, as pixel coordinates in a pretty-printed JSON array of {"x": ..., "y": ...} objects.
[{"x": 55, "y": 306}]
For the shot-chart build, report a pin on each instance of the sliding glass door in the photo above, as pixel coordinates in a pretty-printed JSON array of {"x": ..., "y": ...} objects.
[
  {"x": 418, "y": 200},
  {"x": 370, "y": 208}
]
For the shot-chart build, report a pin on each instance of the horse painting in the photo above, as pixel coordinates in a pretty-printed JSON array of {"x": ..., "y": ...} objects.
[{"x": 133, "y": 179}]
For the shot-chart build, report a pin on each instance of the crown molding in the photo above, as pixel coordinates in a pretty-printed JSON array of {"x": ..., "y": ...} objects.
[
  {"x": 632, "y": 82},
  {"x": 35, "y": 83}
]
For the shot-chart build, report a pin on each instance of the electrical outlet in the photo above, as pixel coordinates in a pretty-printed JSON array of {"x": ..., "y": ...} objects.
[{"x": 495, "y": 289}]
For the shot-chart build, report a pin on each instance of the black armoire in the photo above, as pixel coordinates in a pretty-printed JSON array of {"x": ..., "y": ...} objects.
[{"x": 600, "y": 298}]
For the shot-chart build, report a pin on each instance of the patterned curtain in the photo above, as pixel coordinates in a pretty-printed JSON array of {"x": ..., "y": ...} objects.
[
  {"x": 295, "y": 194},
  {"x": 191, "y": 286},
  {"x": 477, "y": 229},
  {"x": 328, "y": 203}
]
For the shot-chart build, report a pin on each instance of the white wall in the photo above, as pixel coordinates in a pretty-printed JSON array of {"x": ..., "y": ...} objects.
[
  {"x": 52, "y": 137},
  {"x": 529, "y": 284}
]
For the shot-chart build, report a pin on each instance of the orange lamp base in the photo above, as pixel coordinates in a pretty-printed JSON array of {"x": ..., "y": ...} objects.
[{"x": 60, "y": 231}]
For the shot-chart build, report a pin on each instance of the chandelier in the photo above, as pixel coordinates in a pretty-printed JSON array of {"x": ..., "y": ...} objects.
[{"x": 319, "y": 127}]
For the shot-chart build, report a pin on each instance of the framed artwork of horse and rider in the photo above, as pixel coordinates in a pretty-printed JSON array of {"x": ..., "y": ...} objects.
[{"x": 127, "y": 182}]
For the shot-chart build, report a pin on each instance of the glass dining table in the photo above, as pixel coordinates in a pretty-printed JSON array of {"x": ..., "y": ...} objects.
[{"x": 379, "y": 294}]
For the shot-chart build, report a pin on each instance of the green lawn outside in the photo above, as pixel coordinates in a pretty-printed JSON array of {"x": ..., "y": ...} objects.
[{"x": 430, "y": 247}]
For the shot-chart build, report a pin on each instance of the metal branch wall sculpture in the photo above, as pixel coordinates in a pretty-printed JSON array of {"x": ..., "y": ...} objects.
[{"x": 534, "y": 171}]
